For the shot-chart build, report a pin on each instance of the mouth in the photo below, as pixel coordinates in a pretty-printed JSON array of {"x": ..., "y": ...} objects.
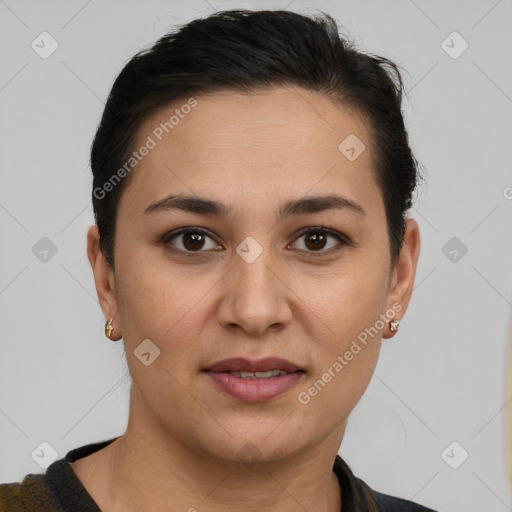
[
  {"x": 255, "y": 381},
  {"x": 259, "y": 375}
]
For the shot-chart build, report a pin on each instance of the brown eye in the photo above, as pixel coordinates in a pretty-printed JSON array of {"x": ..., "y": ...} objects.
[
  {"x": 191, "y": 240},
  {"x": 315, "y": 241},
  {"x": 320, "y": 240}
]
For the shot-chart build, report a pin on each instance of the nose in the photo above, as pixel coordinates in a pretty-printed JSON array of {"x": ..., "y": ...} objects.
[{"x": 255, "y": 298}]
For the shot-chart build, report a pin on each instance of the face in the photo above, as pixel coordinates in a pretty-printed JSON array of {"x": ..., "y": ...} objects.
[{"x": 246, "y": 241}]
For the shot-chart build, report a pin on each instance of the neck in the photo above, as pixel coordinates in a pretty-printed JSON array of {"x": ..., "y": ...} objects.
[
  {"x": 151, "y": 469},
  {"x": 143, "y": 476}
]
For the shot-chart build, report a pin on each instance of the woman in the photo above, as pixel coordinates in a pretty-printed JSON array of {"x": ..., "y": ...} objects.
[{"x": 252, "y": 178}]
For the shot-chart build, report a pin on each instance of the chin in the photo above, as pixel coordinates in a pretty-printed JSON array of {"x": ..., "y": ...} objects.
[{"x": 252, "y": 447}]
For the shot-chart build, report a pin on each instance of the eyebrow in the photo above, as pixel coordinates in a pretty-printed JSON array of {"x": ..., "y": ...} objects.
[
  {"x": 317, "y": 204},
  {"x": 303, "y": 206}
]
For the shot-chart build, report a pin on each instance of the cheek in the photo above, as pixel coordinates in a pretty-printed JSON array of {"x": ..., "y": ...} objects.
[
  {"x": 346, "y": 340},
  {"x": 346, "y": 324},
  {"x": 163, "y": 304},
  {"x": 156, "y": 297},
  {"x": 345, "y": 301}
]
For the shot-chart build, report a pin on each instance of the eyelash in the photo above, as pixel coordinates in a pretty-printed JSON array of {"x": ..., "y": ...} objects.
[{"x": 343, "y": 240}]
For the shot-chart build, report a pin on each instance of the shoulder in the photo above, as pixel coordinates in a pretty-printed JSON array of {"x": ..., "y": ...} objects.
[
  {"x": 32, "y": 494},
  {"x": 56, "y": 490},
  {"x": 392, "y": 504},
  {"x": 359, "y": 496},
  {"x": 387, "y": 503}
]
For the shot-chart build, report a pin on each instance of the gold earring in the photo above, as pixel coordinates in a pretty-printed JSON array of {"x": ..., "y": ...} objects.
[
  {"x": 393, "y": 325},
  {"x": 109, "y": 327}
]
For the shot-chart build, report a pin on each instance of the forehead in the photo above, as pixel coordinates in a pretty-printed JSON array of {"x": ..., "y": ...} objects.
[{"x": 282, "y": 139}]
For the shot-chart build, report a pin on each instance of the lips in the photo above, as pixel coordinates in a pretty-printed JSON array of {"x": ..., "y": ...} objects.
[
  {"x": 254, "y": 381},
  {"x": 240, "y": 364}
]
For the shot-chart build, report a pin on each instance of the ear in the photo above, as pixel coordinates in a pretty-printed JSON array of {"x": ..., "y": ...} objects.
[
  {"x": 403, "y": 274},
  {"x": 104, "y": 279}
]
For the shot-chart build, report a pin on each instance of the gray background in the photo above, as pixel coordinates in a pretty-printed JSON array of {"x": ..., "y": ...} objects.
[{"x": 441, "y": 379}]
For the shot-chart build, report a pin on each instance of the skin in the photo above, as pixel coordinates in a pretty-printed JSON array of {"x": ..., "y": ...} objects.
[{"x": 185, "y": 438}]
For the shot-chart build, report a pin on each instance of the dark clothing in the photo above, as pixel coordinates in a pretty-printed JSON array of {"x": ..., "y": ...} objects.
[{"x": 60, "y": 490}]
